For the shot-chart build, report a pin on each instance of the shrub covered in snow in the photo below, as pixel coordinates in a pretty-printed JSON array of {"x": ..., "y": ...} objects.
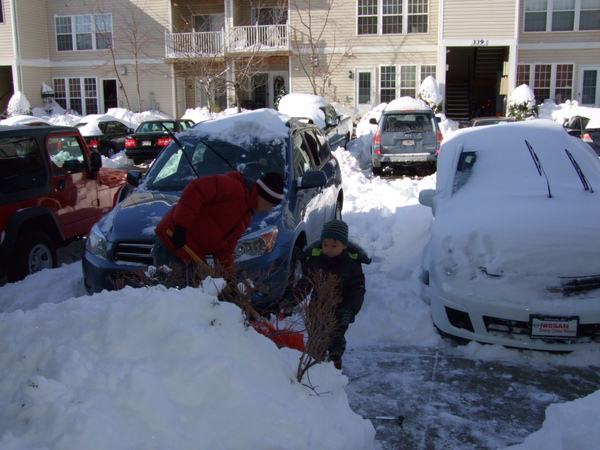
[
  {"x": 521, "y": 104},
  {"x": 430, "y": 93}
]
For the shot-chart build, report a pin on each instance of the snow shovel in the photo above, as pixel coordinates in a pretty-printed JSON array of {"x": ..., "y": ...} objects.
[{"x": 283, "y": 338}]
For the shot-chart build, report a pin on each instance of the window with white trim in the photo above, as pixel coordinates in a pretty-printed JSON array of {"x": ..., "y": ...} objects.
[
  {"x": 392, "y": 16},
  {"x": 548, "y": 81},
  {"x": 83, "y": 32},
  {"x": 77, "y": 94},
  {"x": 562, "y": 15},
  {"x": 402, "y": 81}
]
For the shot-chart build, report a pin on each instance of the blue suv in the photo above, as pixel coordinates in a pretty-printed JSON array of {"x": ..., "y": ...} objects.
[{"x": 254, "y": 143}]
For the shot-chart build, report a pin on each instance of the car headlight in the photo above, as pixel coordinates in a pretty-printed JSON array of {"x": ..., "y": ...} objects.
[
  {"x": 96, "y": 242},
  {"x": 256, "y": 244}
]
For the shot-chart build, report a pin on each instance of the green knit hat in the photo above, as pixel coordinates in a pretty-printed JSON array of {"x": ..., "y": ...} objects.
[{"x": 335, "y": 229}]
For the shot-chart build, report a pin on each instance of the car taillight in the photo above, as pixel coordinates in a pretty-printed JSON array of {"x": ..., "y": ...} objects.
[
  {"x": 377, "y": 143},
  {"x": 440, "y": 138},
  {"x": 587, "y": 138},
  {"x": 129, "y": 142},
  {"x": 94, "y": 143},
  {"x": 163, "y": 141}
]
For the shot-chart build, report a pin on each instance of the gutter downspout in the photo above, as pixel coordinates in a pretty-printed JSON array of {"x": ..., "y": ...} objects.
[{"x": 17, "y": 72}]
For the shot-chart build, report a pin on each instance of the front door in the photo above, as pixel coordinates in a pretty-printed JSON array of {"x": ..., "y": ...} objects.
[
  {"x": 589, "y": 86},
  {"x": 260, "y": 90},
  {"x": 109, "y": 94},
  {"x": 364, "y": 90}
]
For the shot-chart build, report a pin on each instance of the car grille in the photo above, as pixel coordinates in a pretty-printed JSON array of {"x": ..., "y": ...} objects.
[
  {"x": 134, "y": 252},
  {"x": 494, "y": 325}
]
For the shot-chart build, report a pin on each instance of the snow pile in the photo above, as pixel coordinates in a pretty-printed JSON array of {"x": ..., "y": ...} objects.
[
  {"x": 156, "y": 368},
  {"x": 18, "y": 105},
  {"x": 429, "y": 91},
  {"x": 407, "y": 104}
]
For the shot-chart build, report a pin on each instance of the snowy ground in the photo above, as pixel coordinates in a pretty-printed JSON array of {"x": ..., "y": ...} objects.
[{"x": 153, "y": 369}]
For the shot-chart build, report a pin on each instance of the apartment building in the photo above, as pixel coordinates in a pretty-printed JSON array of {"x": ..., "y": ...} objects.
[{"x": 178, "y": 54}]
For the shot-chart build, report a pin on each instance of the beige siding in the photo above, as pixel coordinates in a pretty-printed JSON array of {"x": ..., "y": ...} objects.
[
  {"x": 6, "y": 36},
  {"x": 479, "y": 19},
  {"x": 33, "y": 76},
  {"x": 571, "y": 56},
  {"x": 555, "y": 37},
  {"x": 32, "y": 18}
]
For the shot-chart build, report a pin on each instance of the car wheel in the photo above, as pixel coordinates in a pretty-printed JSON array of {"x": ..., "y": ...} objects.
[
  {"x": 34, "y": 252},
  {"x": 110, "y": 152},
  {"x": 296, "y": 271},
  {"x": 377, "y": 171}
]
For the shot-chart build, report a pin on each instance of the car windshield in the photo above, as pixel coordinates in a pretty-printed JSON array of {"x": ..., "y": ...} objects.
[
  {"x": 174, "y": 169},
  {"x": 156, "y": 127}
]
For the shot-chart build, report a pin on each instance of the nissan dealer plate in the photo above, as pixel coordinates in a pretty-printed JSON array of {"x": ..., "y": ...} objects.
[
  {"x": 146, "y": 143},
  {"x": 554, "y": 328}
]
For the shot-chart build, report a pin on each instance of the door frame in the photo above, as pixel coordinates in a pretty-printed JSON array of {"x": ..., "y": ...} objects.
[{"x": 582, "y": 69}]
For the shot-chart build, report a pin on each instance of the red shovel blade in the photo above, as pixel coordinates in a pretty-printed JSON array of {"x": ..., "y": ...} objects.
[{"x": 283, "y": 338}]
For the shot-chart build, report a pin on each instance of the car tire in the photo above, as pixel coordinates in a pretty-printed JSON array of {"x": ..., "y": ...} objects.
[
  {"x": 110, "y": 151},
  {"x": 377, "y": 171},
  {"x": 34, "y": 252},
  {"x": 296, "y": 271}
]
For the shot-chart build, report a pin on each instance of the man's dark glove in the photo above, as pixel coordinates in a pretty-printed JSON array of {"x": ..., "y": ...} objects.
[
  {"x": 178, "y": 239},
  {"x": 345, "y": 316}
]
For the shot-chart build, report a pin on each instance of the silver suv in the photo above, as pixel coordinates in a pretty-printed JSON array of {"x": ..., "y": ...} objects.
[{"x": 406, "y": 139}]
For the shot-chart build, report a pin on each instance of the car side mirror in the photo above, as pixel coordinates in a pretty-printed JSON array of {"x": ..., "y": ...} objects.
[
  {"x": 95, "y": 161},
  {"x": 134, "y": 177},
  {"x": 373, "y": 121},
  {"x": 426, "y": 197},
  {"x": 312, "y": 179}
]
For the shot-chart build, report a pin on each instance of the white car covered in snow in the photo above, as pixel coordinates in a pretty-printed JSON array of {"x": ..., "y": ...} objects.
[{"x": 514, "y": 255}]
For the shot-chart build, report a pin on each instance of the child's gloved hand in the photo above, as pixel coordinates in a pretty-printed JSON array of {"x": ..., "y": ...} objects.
[
  {"x": 178, "y": 239},
  {"x": 345, "y": 316}
]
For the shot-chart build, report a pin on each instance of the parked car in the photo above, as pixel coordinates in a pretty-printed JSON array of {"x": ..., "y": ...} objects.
[
  {"x": 104, "y": 133},
  {"x": 338, "y": 128},
  {"x": 407, "y": 137},
  {"x": 588, "y": 130},
  {"x": 513, "y": 256},
  {"x": 254, "y": 143},
  {"x": 23, "y": 119},
  {"x": 151, "y": 137},
  {"x": 491, "y": 120},
  {"x": 52, "y": 190}
]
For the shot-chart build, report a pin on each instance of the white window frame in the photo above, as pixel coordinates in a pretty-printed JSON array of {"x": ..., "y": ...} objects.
[
  {"x": 96, "y": 29},
  {"x": 365, "y": 107},
  {"x": 85, "y": 95},
  {"x": 400, "y": 84},
  {"x": 553, "y": 78},
  {"x": 550, "y": 12},
  {"x": 405, "y": 15},
  {"x": 583, "y": 69}
]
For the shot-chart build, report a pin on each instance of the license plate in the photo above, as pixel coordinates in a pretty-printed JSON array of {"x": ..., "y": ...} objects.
[
  {"x": 408, "y": 142},
  {"x": 146, "y": 143},
  {"x": 554, "y": 328}
]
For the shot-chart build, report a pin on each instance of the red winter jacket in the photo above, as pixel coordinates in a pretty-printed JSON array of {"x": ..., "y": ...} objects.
[{"x": 216, "y": 210}]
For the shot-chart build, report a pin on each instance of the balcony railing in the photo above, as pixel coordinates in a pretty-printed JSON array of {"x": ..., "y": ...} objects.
[{"x": 255, "y": 38}]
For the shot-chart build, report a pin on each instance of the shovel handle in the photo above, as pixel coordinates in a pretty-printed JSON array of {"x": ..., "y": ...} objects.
[{"x": 190, "y": 252}]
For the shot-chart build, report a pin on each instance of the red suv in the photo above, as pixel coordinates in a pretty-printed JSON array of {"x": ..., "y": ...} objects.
[{"x": 52, "y": 190}]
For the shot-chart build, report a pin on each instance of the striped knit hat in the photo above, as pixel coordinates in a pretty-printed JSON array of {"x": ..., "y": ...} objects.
[
  {"x": 335, "y": 229},
  {"x": 270, "y": 187}
]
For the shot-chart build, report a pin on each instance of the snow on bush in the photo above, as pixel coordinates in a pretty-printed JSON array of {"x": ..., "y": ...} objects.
[
  {"x": 521, "y": 104},
  {"x": 430, "y": 93}
]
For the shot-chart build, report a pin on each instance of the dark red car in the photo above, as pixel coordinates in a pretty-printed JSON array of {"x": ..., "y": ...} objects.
[{"x": 52, "y": 190}]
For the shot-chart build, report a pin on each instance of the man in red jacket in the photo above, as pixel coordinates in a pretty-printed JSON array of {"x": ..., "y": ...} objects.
[{"x": 212, "y": 215}]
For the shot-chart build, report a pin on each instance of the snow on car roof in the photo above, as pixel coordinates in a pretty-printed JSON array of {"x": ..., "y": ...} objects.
[
  {"x": 304, "y": 105},
  {"x": 239, "y": 129},
  {"x": 407, "y": 104}
]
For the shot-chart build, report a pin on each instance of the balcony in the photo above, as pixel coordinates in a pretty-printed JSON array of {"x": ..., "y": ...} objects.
[{"x": 263, "y": 39}]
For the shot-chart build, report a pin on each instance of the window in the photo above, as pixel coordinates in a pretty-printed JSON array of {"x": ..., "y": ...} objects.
[
  {"x": 562, "y": 15},
  {"x": 269, "y": 16},
  {"x": 408, "y": 81},
  {"x": 1, "y": 11},
  {"x": 407, "y": 78},
  {"x": 22, "y": 166},
  {"x": 548, "y": 81},
  {"x": 78, "y": 94},
  {"x": 83, "y": 32},
  {"x": 66, "y": 155},
  {"x": 364, "y": 88},
  {"x": 388, "y": 84},
  {"x": 210, "y": 22},
  {"x": 392, "y": 16}
]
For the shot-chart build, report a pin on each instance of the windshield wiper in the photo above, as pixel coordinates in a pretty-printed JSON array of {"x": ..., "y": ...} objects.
[
  {"x": 538, "y": 166},
  {"x": 586, "y": 185}
]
